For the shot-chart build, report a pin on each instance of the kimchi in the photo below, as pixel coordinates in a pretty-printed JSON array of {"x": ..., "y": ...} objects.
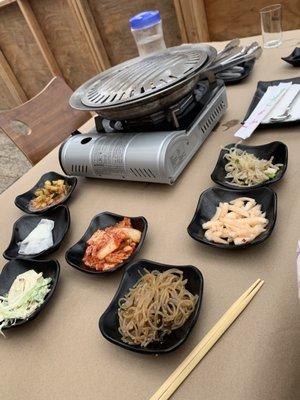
[{"x": 111, "y": 246}]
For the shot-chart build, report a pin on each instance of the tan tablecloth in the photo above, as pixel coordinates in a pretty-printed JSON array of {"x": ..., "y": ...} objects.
[{"x": 61, "y": 355}]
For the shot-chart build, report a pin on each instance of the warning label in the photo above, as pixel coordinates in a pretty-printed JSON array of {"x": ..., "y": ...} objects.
[{"x": 108, "y": 154}]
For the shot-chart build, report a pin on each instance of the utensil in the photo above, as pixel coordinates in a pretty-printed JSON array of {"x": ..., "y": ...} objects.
[
  {"x": 286, "y": 113},
  {"x": 248, "y": 53},
  {"x": 254, "y": 52},
  {"x": 253, "y": 45},
  {"x": 237, "y": 53},
  {"x": 229, "y": 46},
  {"x": 246, "y": 50},
  {"x": 236, "y": 68},
  {"x": 209, "y": 340},
  {"x": 270, "y": 18},
  {"x": 227, "y": 74}
]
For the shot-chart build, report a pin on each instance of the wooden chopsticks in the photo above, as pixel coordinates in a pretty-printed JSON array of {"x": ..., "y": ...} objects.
[{"x": 196, "y": 355}]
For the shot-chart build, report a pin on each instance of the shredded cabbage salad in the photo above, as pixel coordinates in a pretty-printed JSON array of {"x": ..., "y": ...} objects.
[{"x": 26, "y": 294}]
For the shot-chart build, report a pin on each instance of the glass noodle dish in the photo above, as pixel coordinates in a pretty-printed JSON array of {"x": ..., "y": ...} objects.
[
  {"x": 155, "y": 306},
  {"x": 245, "y": 169}
]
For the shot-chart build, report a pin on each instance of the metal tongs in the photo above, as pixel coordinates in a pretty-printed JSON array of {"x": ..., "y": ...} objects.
[{"x": 233, "y": 55}]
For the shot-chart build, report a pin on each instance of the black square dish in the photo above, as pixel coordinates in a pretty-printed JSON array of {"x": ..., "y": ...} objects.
[
  {"x": 24, "y": 225},
  {"x": 247, "y": 65},
  {"x": 262, "y": 87},
  {"x": 109, "y": 321},
  {"x": 76, "y": 253},
  {"x": 49, "y": 268},
  {"x": 278, "y": 150},
  {"x": 293, "y": 58},
  {"x": 22, "y": 201},
  {"x": 209, "y": 201}
]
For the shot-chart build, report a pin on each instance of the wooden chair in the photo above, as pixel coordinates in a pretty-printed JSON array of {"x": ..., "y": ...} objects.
[{"x": 44, "y": 121}]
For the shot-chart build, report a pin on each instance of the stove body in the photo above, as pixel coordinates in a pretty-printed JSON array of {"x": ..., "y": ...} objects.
[{"x": 153, "y": 149}]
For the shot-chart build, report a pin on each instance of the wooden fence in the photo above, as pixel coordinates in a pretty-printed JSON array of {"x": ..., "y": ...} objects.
[{"x": 79, "y": 38}]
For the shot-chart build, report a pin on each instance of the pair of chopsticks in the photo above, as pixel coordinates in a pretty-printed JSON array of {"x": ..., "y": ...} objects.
[{"x": 196, "y": 355}]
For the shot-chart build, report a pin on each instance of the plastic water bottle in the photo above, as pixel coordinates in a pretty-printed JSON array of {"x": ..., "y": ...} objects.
[{"x": 146, "y": 28}]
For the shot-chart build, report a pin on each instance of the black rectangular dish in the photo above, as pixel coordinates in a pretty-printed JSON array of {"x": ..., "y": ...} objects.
[
  {"x": 293, "y": 58},
  {"x": 109, "y": 321},
  {"x": 278, "y": 150},
  {"x": 103, "y": 220},
  {"x": 24, "y": 225},
  {"x": 49, "y": 269},
  {"x": 209, "y": 201},
  {"x": 247, "y": 65},
  {"x": 262, "y": 87},
  {"x": 22, "y": 201}
]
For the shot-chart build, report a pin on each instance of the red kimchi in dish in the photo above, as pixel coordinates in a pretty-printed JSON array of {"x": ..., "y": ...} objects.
[{"x": 111, "y": 246}]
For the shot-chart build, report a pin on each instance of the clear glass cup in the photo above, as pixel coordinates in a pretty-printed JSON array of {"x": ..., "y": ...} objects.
[{"x": 270, "y": 18}]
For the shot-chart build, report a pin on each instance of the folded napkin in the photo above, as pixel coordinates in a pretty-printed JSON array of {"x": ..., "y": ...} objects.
[
  {"x": 282, "y": 104},
  {"x": 293, "y": 58},
  {"x": 262, "y": 87},
  {"x": 263, "y": 109}
]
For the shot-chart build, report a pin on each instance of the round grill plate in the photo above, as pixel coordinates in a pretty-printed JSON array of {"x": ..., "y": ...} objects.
[{"x": 143, "y": 76}]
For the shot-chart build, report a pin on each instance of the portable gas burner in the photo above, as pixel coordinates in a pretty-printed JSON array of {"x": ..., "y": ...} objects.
[{"x": 154, "y": 114}]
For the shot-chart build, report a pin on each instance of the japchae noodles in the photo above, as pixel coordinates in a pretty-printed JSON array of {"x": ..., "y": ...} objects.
[{"x": 155, "y": 306}]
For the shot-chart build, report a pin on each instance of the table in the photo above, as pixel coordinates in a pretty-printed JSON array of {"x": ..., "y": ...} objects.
[{"x": 61, "y": 355}]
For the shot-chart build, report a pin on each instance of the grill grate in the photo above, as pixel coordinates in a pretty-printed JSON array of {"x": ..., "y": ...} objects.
[{"x": 137, "y": 78}]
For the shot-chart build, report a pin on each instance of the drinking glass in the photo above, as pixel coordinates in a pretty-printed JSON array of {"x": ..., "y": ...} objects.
[{"x": 270, "y": 18}]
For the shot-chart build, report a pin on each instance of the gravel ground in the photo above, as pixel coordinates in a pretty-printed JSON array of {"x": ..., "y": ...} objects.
[{"x": 13, "y": 163}]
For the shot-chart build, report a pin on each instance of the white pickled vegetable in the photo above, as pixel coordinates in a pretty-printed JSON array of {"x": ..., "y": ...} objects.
[{"x": 39, "y": 239}]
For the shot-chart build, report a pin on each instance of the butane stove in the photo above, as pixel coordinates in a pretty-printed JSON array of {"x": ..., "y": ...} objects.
[{"x": 153, "y": 148}]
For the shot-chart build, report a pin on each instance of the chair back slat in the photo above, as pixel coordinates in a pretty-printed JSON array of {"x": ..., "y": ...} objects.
[{"x": 44, "y": 121}]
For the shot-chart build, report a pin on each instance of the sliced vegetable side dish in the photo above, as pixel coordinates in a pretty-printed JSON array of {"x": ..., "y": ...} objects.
[
  {"x": 26, "y": 294},
  {"x": 39, "y": 239},
  {"x": 53, "y": 192},
  {"x": 245, "y": 169},
  {"x": 109, "y": 247},
  {"x": 240, "y": 221}
]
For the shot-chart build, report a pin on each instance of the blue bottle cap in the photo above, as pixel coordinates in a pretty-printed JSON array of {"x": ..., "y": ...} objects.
[{"x": 145, "y": 19}]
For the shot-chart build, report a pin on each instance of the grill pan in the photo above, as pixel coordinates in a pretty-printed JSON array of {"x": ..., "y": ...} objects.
[{"x": 153, "y": 82}]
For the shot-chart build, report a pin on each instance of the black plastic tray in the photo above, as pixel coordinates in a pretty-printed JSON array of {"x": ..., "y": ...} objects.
[
  {"x": 278, "y": 150},
  {"x": 109, "y": 321},
  {"x": 209, "y": 201},
  {"x": 260, "y": 91},
  {"x": 49, "y": 268},
  {"x": 24, "y": 225},
  {"x": 247, "y": 65},
  {"x": 75, "y": 253}
]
